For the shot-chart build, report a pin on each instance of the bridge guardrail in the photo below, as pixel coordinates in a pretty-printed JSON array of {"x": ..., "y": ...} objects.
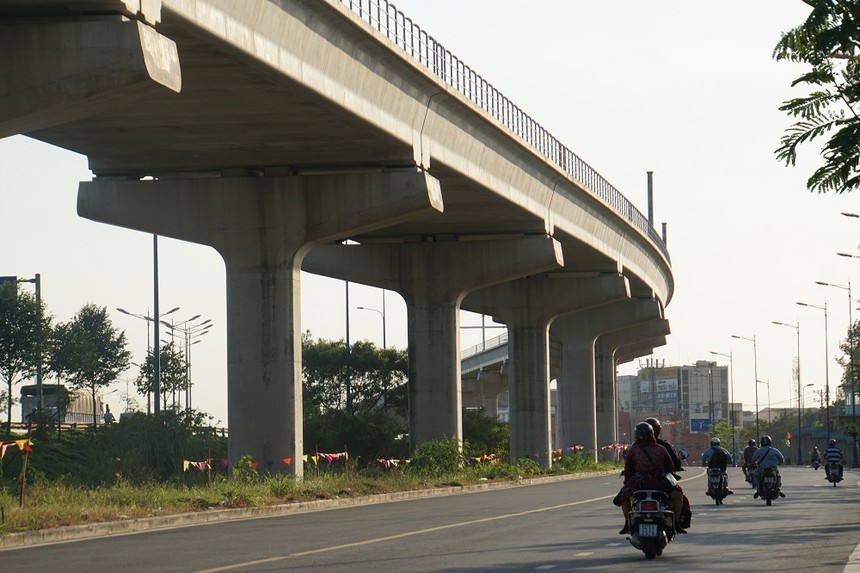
[
  {"x": 484, "y": 346},
  {"x": 408, "y": 36}
]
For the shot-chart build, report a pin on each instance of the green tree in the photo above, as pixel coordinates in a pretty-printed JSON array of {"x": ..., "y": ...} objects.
[
  {"x": 828, "y": 42},
  {"x": 63, "y": 350},
  {"x": 24, "y": 329},
  {"x": 101, "y": 353},
  {"x": 172, "y": 374},
  {"x": 377, "y": 376}
]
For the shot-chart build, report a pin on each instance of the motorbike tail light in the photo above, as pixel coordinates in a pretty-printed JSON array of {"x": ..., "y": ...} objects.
[{"x": 648, "y": 505}]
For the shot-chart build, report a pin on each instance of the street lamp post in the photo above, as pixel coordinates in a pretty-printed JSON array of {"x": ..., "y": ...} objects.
[
  {"x": 851, "y": 374},
  {"x": 796, "y": 327},
  {"x": 37, "y": 283},
  {"x": 731, "y": 404},
  {"x": 768, "y": 400},
  {"x": 826, "y": 366},
  {"x": 188, "y": 332},
  {"x": 755, "y": 372},
  {"x": 156, "y": 356}
]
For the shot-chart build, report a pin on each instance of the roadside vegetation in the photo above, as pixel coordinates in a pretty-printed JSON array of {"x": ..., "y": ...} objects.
[{"x": 136, "y": 469}]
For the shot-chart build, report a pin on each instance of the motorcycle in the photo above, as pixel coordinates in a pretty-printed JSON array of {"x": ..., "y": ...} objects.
[
  {"x": 769, "y": 489},
  {"x": 816, "y": 462},
  {"x": 833, "y": 474},
  {"x": 717, "y": 485},
  {"x": 651, "y": 522}
]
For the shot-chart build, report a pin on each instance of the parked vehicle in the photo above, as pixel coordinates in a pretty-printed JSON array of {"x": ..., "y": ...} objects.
[{"x": 651, "y": 522}]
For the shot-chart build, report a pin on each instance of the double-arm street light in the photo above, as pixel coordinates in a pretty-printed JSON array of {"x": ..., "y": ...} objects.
[
  {"x": 852, "y": 379},
  {"x": 188, "y": 332},
  {"x": 796, "y": 327},
  {"x": 826, "y": 366},
  {"x": 731, "y": 403},
  {"x": 755, "y": 380},
  {"x": 156, "y": 354}
]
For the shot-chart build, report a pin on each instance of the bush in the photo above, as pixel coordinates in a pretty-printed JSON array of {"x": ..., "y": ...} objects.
[{"x": 437, "y": 458}]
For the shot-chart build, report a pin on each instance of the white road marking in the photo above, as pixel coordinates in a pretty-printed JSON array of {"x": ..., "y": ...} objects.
[
  {"x": 400, "y": 535},
  {"x": 545, "y": 567}
]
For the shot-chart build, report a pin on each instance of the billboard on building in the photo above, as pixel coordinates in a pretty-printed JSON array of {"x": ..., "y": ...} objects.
[
  {"x": 662, "y": 390},
  {"x": 699, "y": 424}
]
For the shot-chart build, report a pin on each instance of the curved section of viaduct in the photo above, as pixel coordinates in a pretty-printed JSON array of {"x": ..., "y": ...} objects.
[{"x": 275, "y": 131}]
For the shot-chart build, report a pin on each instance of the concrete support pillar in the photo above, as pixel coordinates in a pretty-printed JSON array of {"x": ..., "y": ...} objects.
[
  {"x": 528, "y": 306},
  {"x": 606, "y": 346},
  {"x": 483, "y": 392},
  {"x": 576, "y": 386},
  {"x": 262, "y": 227},
  {"x": 55, "y": 73},
  {"x": 433, "y": 277}
]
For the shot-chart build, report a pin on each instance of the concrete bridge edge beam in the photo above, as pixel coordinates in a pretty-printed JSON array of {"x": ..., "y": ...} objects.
[
  {"x": 99, "y": 64},
  {"x": 528, "y": 306},
  {"x": 433, "y": 277},
  {"x": 576, "y": 394},
  {"x": 262, "y": 227}
]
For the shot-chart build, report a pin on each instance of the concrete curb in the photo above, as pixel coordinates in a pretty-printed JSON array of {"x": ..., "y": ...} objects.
[{"x": 137, "y": 525}]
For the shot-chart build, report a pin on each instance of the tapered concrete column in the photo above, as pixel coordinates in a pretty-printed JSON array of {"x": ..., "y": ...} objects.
[
  {"x": 483, "y": 392},
  {"x": 433, "y": 277},
  {"x": 576, "y": 387},
  {"x": 54, "y": 73},
  {"x": 607, "y": 345},
  {"x": 262, "y": 227},
  {"x": 528, "y": 306}
]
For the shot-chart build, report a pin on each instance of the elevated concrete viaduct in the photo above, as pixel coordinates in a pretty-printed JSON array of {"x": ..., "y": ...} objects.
[{"x": 277, "y": 127}]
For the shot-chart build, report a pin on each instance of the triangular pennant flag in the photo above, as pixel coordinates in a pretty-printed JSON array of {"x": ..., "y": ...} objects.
[
  {"x": 185, "y": 464},
  {"x": 3, "y": 447},
  {"x": 287, "y": 461},
  {"x": 270, "y": 463}
]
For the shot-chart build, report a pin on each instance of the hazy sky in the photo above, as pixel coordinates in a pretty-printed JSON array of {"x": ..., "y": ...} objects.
[{"x": 688, "y": 90}]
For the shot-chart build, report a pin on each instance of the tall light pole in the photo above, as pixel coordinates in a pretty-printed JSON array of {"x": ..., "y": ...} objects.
[
  {"x": 755, "y": 383},
  {"x": 731, "y": 404},
  {"x": 768, "y": 400},
  {"x": 799, "y": 439},
  {"x": 852, "y": 378},
  {"x": 37, "y": 282},
  {"x": 826, "y": 366},
  {"x": 156, "y": 356},
  {"x": 188, "y": 332}
]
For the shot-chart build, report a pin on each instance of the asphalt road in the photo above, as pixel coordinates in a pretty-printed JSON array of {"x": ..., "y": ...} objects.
[{"x": 563, "y": 526}]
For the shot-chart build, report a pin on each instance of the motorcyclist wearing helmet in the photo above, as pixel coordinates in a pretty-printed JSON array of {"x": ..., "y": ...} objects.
[
  {"x": 832, "y": 455},
  {"x": 646, "y": 465},
  {"x": 815, "y": 457},
  {"x": 748, "y": 454},
  {"x": 766, "y": 457},
  {"x": 718, "y": 457},
  {"x": 676, "y": 461}
]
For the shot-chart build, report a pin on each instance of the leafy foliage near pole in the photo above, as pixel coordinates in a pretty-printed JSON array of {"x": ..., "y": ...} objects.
[
  {"x": 20, "y": 334},
  {"x": 828, "y": 42},
  {"x": 100, "y": 352},
  {"x": 173, "y": 374}
]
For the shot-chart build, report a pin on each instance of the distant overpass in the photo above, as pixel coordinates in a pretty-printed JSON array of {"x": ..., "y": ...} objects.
[{"x": 277, "y": 131}]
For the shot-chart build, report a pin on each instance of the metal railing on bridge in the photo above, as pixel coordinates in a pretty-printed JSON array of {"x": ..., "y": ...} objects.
[
  {"x": 484, "y": 346},
  {"x": 422, "y": 47}
]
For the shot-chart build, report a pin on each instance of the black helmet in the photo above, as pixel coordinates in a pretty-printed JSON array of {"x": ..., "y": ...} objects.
[
  {"x": 655, "y": 423},
  {"x": 643, "y": 430},
  {"x": 715, "y": 441},
  {"x": 751, "y": 443},
  {"x": 765, "y": 440},
  {"x": 832, "y": 442}
]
